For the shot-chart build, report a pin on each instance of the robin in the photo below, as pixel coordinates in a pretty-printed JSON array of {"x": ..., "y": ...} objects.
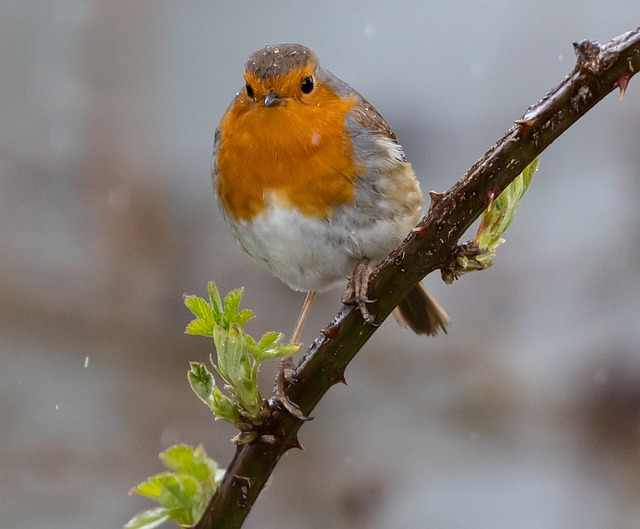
[{"x": 314, "y": 184}]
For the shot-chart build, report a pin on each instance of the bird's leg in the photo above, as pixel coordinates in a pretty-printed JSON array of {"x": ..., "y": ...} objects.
[
  {"x": 304, "y": 312},
  {"x": 356, "y": 292},
  {"x": 285, "y": 374}
]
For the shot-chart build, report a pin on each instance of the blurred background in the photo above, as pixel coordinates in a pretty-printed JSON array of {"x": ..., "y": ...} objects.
[{"x": 527, "y": 414}]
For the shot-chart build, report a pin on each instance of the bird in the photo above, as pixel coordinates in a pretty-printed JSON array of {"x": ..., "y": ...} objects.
[{"x": 315, "y": 186}]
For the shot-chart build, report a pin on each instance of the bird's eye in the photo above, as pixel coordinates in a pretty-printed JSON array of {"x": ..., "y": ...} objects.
[
  {"x": 249, "y": 90},
  {"x": 307, "y": 85}
]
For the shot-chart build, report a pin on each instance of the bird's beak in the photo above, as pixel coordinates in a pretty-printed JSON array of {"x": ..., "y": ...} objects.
[{"x": 272, "y": 100}]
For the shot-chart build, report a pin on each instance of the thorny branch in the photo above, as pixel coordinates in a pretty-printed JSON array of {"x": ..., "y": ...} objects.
[{"x": 431, "y": 246}]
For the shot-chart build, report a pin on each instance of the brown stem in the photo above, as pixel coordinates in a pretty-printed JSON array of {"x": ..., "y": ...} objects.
[{"x": 431, "y": 246}]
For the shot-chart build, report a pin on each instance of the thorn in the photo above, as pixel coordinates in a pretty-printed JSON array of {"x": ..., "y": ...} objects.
[
  {"x": 331, "y": 331},
  {"x": 419, "y": 229},
  {"x": 622, "y": 84},
  {"x": 341, "y": 379},
  {"x": 526, "y": 122},
  {"x": 297, "y": 444},
  {"x": 435, "y": 196}
]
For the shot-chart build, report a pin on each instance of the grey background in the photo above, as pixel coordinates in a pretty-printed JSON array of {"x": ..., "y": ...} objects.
[{"x": 526, "y": 415}]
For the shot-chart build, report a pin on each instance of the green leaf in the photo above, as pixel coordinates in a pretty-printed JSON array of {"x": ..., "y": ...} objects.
[
  {"x": 234, "y": 366},
  {"x": 251, "y": 344},
  {"x": 152, "y": 488},
  {"x": 199, "y": 328},
  {"x": 269, "y": 339},
  {"x": 204, "y": 322},
  {"x": 179, "y": 494},
  {"x": 269, "y": 347},
  {"x": 238, "y": 357},
  {"x": 232, "y": 304},
  {"x": 200, "y": 455},
  {"x": 216, "y": 302},
  {"x": 233, "y": 356},
  {"x": 499, "y": 215},
  {"x": 288, "y": 350},
  {"x": 148, "y": 519},
  {"x": 182, "y": 494},
  {"x": 170, "y": 489},
  {"x": 243, "y": 317},
  {"x": 200, "y": 308},
  {"x": 478, "y": 254},
  {"x": 246, "y": 391},
  {"x": 201, "y": 382},
  {"x": 224, "y": 408},
  {"x": 185, "y": 460}
]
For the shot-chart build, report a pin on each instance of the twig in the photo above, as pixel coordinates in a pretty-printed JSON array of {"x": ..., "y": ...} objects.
[{"x": 431, "y": 246}]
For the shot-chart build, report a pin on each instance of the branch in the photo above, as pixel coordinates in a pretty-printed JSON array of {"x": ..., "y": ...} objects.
[{"x": 431, "y": 246}]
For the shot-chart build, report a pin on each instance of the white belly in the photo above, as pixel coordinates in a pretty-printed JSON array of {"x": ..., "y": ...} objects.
[{"x": 313, "y": 254}]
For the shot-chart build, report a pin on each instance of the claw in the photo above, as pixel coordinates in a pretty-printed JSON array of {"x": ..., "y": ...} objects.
[
  {"x": 349, "y": 294},
  {"x": 366, "y": 315},
  {"x": 356, "y": 291},
  {"x": 292, "y": 408},
  {"x": 285, "y": 376}
]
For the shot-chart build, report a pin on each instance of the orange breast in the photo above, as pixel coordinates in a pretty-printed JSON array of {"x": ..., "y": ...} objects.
[{"x": 298, "y": 153}]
